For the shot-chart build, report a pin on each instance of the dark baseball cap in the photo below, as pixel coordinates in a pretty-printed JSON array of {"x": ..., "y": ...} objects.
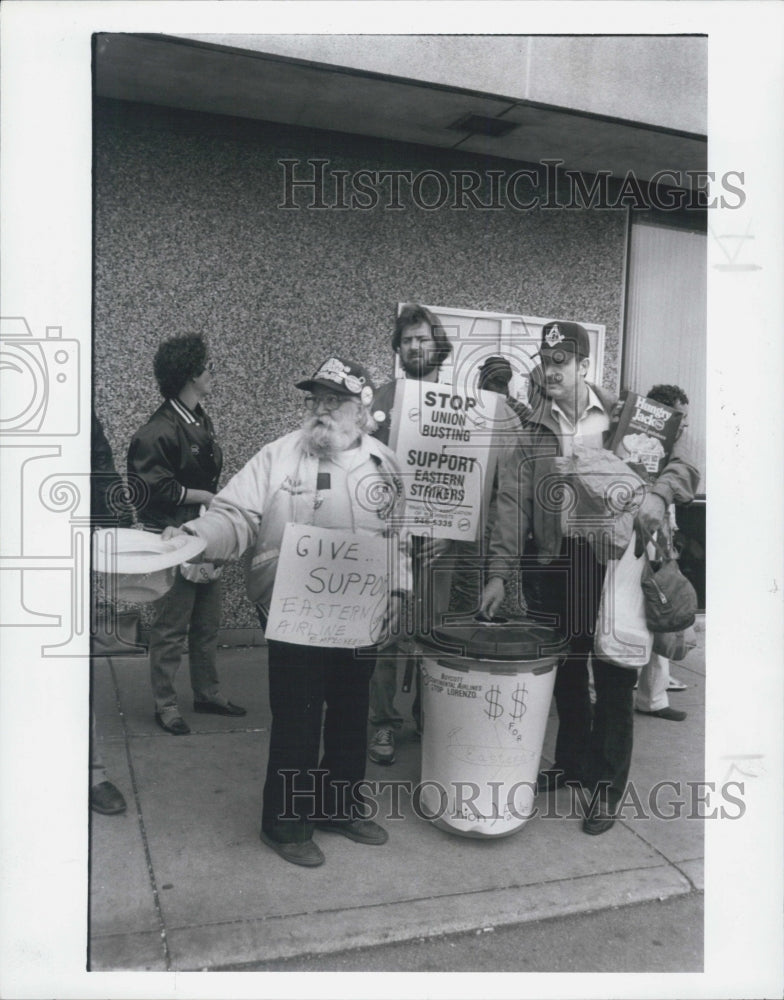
[
  {"x": 572, "y": 338},
  {"x": 496, "y": 367},
  {"x": 342, "y": 376}
]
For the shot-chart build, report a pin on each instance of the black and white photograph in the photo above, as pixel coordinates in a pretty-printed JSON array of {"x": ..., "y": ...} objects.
[{"x": 382, "y": 468}]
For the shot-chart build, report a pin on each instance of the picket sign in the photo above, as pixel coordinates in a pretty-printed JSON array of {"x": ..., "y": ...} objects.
[
  {"x": 444, "y": 441},
  {"x": 331, "y": 588}
]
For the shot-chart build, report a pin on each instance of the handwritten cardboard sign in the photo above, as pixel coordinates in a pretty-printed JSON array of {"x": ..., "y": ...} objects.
[
  {"x": 331, "y": 588},
  {"x": 443, "y": 439}
]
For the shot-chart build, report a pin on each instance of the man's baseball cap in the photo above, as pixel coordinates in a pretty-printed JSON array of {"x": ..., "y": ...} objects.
[
  {"x": 342, "y": 376},
  {"x": 572, "y": 338},
  {"x": 496, "y": 367}
]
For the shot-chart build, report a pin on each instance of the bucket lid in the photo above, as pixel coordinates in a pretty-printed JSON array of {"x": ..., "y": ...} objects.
[{"x": 498, "y": 639}]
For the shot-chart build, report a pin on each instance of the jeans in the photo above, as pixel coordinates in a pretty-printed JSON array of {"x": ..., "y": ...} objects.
[
  {"x": 188, "y": 612},
  {"x": 299, "y": 789},
  {"x": 652, "y": 684}
]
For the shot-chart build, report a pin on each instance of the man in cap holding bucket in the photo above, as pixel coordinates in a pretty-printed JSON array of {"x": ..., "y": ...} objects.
[
  {"x": 329, "y": 473},
  {"x": 593, "y": 746}
]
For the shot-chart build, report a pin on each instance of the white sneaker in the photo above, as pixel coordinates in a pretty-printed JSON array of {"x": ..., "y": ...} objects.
[
  {"x": 381, "y": 749},
  {"x": 676, "y": 685}
]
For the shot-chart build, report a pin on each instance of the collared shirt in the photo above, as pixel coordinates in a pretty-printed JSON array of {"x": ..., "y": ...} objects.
[{"x": 590, "y": 427}]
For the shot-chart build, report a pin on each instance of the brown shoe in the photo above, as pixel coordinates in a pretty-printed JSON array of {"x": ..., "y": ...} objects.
[
  {"x": 218, "y": 708},
  {"x": 106, "y": 798},
  {"x": 363, "y": 831},
  {"x": 673, "y": 714},
  {"x": 304, "y": 853},
  {"x": 175, "y": 725},
  {"x": 601, "y": 818}
]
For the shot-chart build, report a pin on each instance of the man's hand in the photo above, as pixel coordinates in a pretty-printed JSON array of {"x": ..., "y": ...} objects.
[
  {"x": 492, "y": 596},
  {"x": 202, "y": 497},
  {"x": 171, "y": 532},
  {"x": 651, "y": 512}
]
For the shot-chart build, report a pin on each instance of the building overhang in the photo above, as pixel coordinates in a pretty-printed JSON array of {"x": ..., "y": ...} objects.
[{"x": 201, "y": 75}]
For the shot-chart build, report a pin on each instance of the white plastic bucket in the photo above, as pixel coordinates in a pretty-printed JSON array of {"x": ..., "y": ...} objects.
[{"x": 486, "y": 693}]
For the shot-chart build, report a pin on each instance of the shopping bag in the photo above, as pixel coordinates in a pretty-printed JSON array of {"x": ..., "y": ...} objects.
[
  {"x": 599, "y": 496},
  {"x": 674, "y": 645},
  {"x": 670, "y": 600},
  {"x": 622, "y": 636}
]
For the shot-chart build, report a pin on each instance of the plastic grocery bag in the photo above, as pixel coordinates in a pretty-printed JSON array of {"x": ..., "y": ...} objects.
[
  {"x": 622, "y": 636},
  {"x": 599, "y": 495}
]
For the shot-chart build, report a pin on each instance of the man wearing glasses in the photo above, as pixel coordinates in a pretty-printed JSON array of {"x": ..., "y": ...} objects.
[{"x": 329, "y": 473}]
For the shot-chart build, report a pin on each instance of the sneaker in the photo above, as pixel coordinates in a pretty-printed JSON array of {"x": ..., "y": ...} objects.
[
  {"x": 381, "y": 749},
  {"x": 676, "y": 685}
]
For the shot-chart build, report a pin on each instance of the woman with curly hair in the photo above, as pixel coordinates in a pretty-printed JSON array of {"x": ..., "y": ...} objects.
[{"x": 176, "y": 462}]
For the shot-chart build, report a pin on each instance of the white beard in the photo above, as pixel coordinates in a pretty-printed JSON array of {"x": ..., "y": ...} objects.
[{"x": 328, "y": 439}]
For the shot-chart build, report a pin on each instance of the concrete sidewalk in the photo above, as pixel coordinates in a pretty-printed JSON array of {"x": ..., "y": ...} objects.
[{"x": 182, "y": 882}]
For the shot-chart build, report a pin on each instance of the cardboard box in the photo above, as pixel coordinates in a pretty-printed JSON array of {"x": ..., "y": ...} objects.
[{"x": 644, "y": 434}]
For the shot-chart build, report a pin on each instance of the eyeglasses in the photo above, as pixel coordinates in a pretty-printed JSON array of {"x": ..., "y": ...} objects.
[{"x": 329, "y": 401}]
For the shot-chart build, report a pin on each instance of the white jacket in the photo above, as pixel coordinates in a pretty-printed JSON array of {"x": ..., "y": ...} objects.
[{"x": 278, "y": 485}]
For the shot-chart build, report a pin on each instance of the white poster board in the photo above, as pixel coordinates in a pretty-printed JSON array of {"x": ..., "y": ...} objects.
[
  {"x": 444, "y": 442},
  {"x": 476, "y": 335},
  {"x": 331, "y": 588}
]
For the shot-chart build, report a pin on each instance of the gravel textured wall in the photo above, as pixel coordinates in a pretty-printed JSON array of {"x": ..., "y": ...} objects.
[{"x": 190, "y": 237}]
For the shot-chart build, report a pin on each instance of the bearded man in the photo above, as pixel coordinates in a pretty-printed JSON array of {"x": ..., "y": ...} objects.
[
  {"x": 330, "y": 473},
  {"x": 422, "y": 346}
]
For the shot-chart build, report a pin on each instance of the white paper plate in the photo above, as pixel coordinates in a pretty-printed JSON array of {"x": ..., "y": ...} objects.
[{"x": 125, "y": 550}]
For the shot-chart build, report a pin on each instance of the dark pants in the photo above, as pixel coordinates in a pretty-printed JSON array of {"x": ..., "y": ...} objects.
[
  {"x": 593, "y": 745},
  {"x": 299, "y": 789}
]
